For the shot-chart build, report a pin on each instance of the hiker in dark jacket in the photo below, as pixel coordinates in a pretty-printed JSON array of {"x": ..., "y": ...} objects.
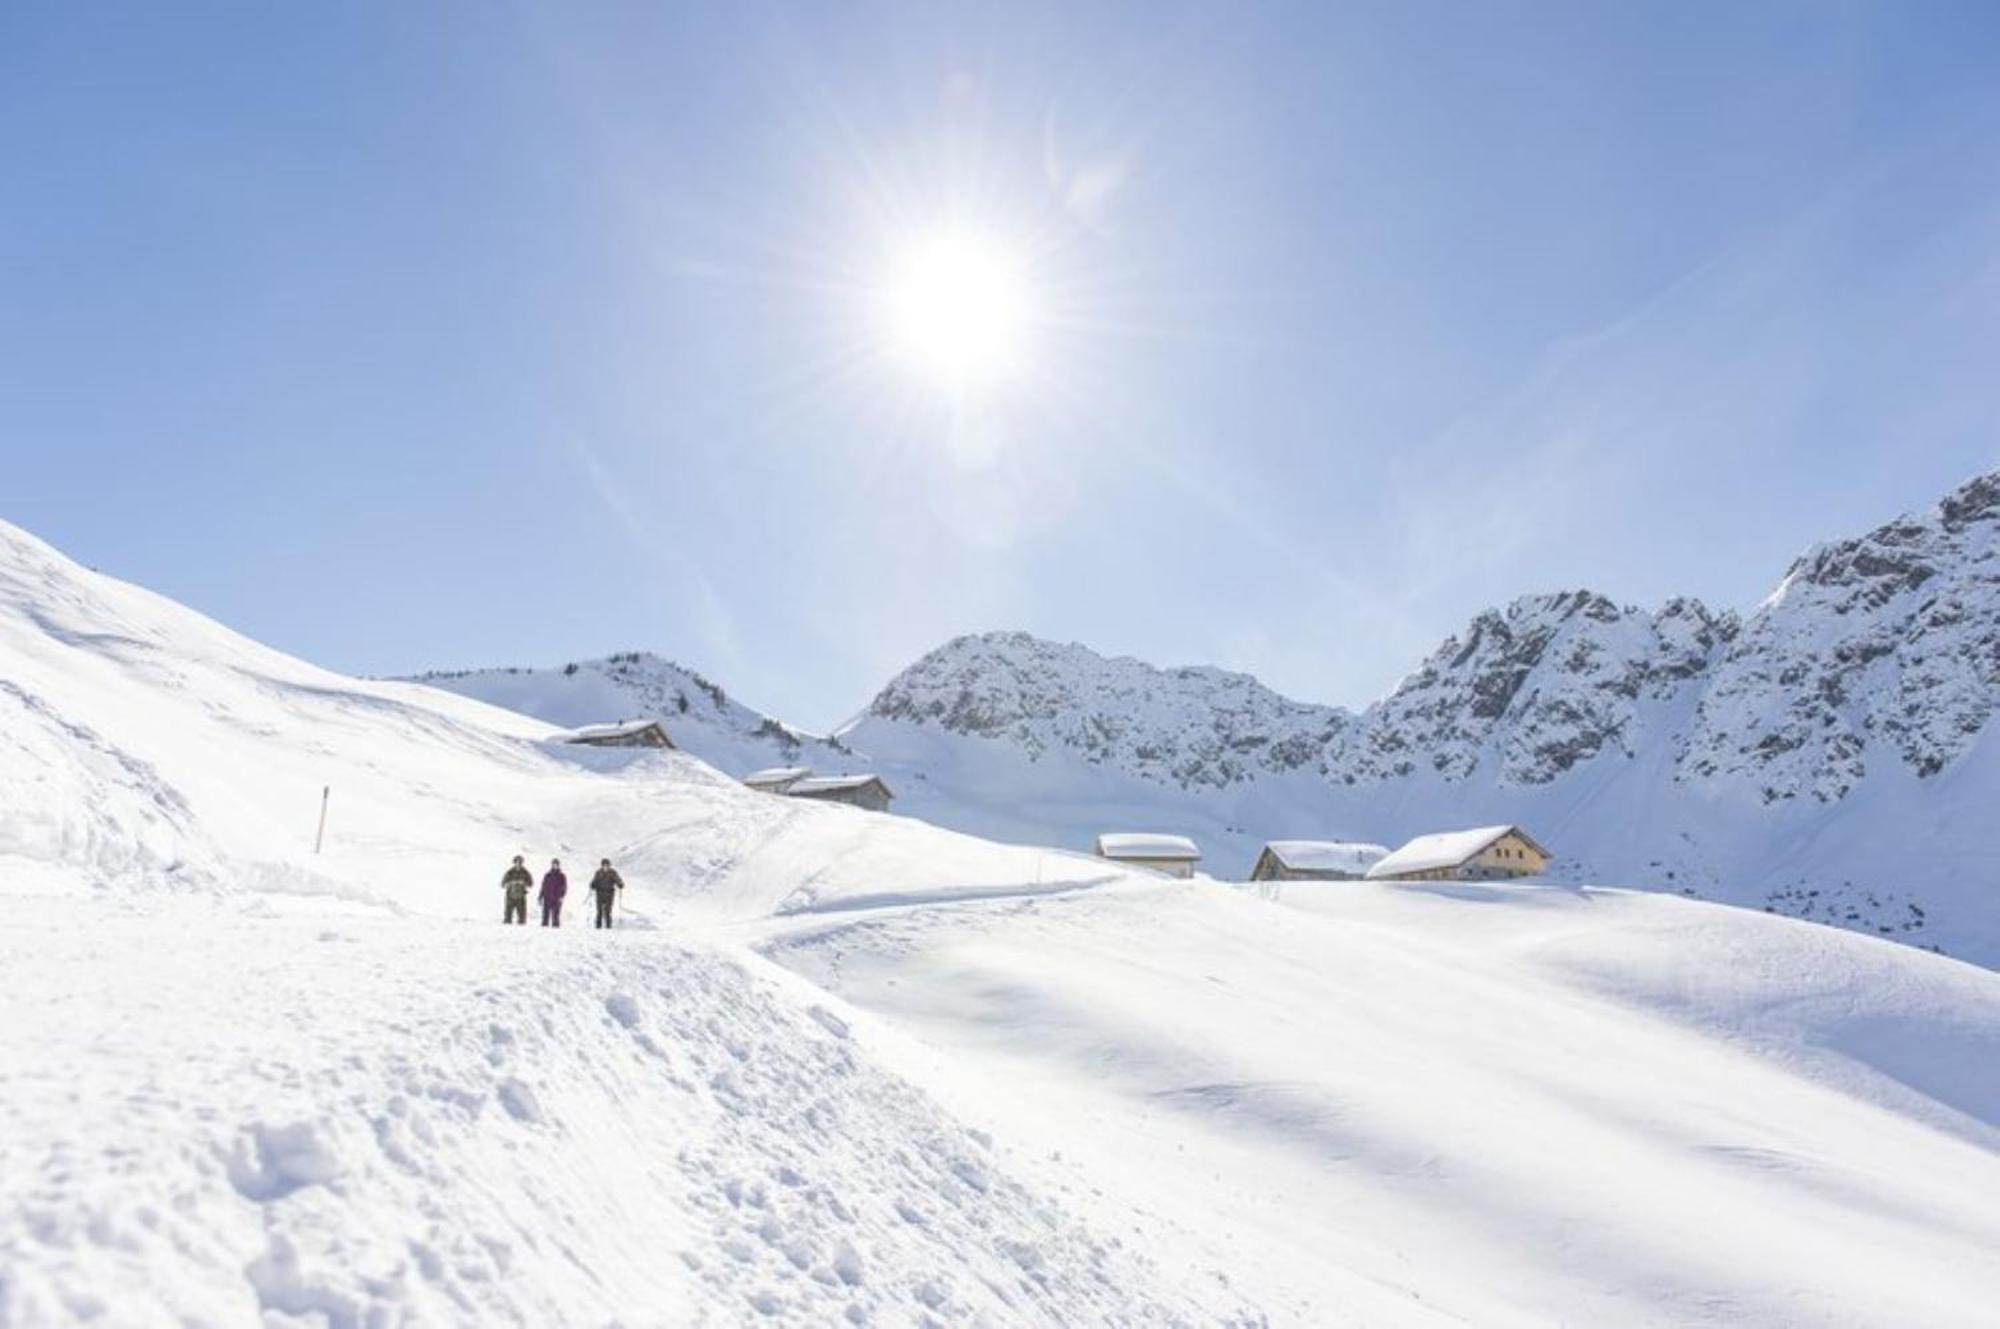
[
  {"x": 554, "y": 886},
  {"x": 516, "y": 881},
  {"x": 605, "y": 886}
]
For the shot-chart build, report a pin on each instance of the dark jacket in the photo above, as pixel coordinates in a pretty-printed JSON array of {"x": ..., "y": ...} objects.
[
  {"x": 517, "y": 880},
  {"x": 554, "y": 886},
  {"x": 606, "y": 882}
]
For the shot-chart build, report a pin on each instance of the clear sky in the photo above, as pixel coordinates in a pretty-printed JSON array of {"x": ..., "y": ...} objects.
[{"x": 406, "y": 336}]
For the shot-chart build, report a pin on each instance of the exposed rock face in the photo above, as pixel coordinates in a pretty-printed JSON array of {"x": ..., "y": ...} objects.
[
  {"x": 1879, "y": 650},
  {"x": 1529, "y": 691},
  {"x": 1873, "y": 653}
]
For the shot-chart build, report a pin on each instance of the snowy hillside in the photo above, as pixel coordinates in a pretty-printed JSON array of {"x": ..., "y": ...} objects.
[
  {"x": 837, "y": 1067},
  {"x": 702, "y": 718},
  {"x": 1828, "y": 757},
  {"x": 315, "y": 1086}
]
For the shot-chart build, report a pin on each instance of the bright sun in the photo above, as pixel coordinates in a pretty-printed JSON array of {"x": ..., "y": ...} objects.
[{"x": 958, "y": 309}]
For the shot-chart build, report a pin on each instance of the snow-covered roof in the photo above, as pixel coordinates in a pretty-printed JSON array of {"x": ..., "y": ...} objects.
[
  {"x": 1445, "y": 849},
  {"x": 777, "y": 775},
  {"x": 1327, "y": 855},
  {"x": 1146, "y": 844},
  {"x": 827, "y": 784},
  {"x": 622, "y": 729}
]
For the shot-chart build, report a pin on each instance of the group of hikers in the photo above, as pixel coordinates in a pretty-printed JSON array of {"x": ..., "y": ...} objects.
[{"x": 517, "y": 879}]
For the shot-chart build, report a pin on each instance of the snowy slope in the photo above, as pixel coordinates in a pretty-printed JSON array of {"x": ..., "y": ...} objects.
[
  {"x": 243, "y": 1080},
  {"x": 1501, "y": 1104},
  {"x": 842, "y": 1067},
  {"x": 362, "y": 1122},
  {"x": 702, "y": 718}
]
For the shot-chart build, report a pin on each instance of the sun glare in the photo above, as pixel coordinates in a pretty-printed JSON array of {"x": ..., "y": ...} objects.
[{"x": 958, "y": 309}]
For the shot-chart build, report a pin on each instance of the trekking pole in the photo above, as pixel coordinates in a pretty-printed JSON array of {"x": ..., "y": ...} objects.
[{"x": 320, "y": 838}]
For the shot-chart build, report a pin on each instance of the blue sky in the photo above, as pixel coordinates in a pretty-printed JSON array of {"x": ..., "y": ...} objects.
[{"x": 426, "y": 336}]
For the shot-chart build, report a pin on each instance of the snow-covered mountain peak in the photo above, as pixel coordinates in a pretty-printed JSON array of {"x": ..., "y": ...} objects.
[
  {"x": 1190, "y": 726},
  {"x": 632, "y": 685},
  {"x": 1535, "y": 688},
  {"x": 1874, "y": 653},
  {"x": 1532, "y": 688}
]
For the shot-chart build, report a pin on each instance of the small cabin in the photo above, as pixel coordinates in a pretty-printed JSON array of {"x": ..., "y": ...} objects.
[
  {"x": 1316, "y": 860},
  {"x": 1171, "y": 855},
  {"x": 628, "y": 734},
  {"x": 778, "y": 779},
  {"x": 861, "y": 791},
  {"x": 1487, "y": 853}
]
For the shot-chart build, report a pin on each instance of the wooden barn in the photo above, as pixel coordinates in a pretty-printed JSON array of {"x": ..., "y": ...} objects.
[
  {"x": 1173, "y": 855},
  {"x": 626, "y": 734},
  {"x": 861, "y": 791},
  {"x": 778, "y": 779},
  {"x": 1486, "y": 853},
  {"x": 1316, "y": 860}
]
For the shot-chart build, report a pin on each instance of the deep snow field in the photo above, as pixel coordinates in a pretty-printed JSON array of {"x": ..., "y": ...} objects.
[{"x": 844, "y": 1068}]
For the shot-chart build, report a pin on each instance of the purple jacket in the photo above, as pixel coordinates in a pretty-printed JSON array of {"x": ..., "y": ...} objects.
[{"x": 554, "y": 886}]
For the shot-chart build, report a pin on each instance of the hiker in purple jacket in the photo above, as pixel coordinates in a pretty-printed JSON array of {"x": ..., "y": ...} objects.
[{"x": 554, "y": 886}]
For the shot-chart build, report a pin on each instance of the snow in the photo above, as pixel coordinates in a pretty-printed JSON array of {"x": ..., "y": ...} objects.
[
  {"x": 1477, "y": 1104},
  {"x": 623, "y": 729},
  {"x": 776, "y": 777},
  {"x": 842, "y": 1068},
  {"x": 1146, "y": 844},
  {"x": 1440, "y": 849},
  {"x": 270, "y": 1120},
  {"x": 701, "y": 716},
  {"x": 827, "y": 784},
  {"x": 1327, "y": 855}
]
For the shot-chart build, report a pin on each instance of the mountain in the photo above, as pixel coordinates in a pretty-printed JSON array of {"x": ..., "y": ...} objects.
[
  {"x": 835, "y": 1067},
  {"x": 1826, "y": 756},
  {"x": 701, "y": 717}
]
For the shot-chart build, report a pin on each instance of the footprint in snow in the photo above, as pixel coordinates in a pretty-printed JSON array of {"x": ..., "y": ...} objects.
[
  {"x": 623, "y": 1008},
  {"x": 520, "y": 1101},
  {"x": 271, "y": 1162}
]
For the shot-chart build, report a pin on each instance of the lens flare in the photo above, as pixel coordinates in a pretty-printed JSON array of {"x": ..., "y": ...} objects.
[{"x": 958, "y": 310}]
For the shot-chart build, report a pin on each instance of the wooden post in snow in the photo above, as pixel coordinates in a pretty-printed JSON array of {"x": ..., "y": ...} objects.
[{"x": 320, "y": 839}]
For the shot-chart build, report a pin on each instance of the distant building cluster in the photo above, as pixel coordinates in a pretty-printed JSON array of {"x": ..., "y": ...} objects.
[{"x": 1485, "y": 853}]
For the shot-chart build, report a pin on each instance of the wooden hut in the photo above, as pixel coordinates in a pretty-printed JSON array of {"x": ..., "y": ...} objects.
[
  {"x": 778, "y": 779},
  {"x": 861, "y": 791},
  {"x": 1316, "y": 860},
  {"x": 626, "y": 734},
  {"x": 1173, "y": 855},
  {"x": 1486, "y": 853}
]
